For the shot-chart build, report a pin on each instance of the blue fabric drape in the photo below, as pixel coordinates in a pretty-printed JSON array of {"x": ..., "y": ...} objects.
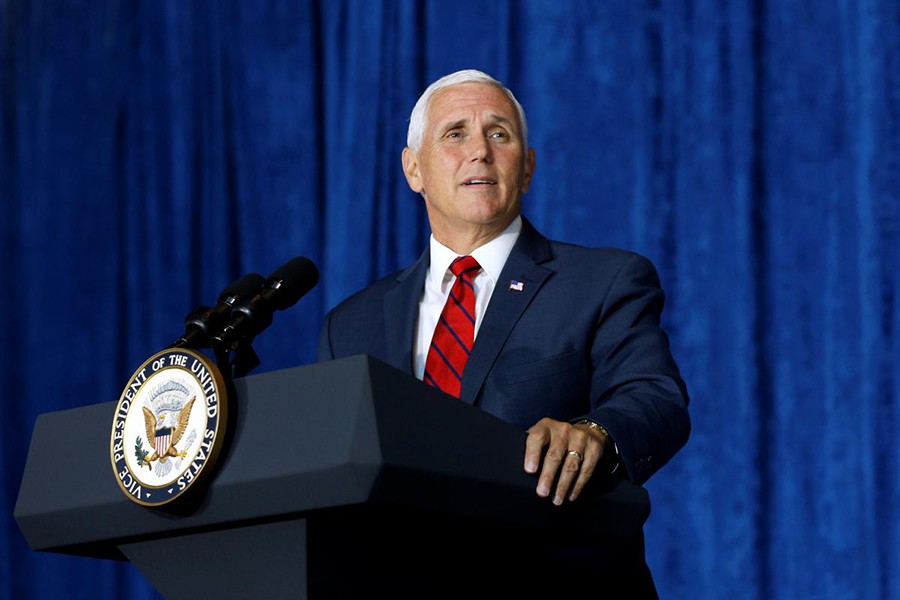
[{"x": 153, "y": 152}]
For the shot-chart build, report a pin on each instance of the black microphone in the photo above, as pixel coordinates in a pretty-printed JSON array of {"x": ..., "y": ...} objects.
[
  {"x": 201, "y": 324},
  {"x": 281, "y": 290}
]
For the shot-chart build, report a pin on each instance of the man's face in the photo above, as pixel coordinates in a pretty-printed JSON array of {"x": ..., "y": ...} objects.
[{"x": 473, "y": 166}]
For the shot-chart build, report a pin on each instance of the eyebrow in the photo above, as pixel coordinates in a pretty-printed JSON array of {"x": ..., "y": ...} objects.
[{"x": 494, "y": 119}]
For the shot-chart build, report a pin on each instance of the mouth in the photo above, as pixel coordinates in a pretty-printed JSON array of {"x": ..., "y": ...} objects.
[{"x": 477, "y": 181}]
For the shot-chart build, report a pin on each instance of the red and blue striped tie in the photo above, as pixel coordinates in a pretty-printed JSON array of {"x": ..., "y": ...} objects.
[{"x": 455, "y": 331}]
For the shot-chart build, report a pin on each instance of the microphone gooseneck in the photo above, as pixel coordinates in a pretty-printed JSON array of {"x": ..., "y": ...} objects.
[
  {"x": 281, "y": 290},
  {"x": 203, "y": 323}
]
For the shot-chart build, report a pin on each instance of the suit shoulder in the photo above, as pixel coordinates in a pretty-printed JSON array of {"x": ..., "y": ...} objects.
[{"x": 604, "y": 257}]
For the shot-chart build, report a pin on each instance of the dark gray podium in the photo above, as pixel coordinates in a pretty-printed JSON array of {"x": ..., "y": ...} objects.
[{"x": 340, "y": 478}]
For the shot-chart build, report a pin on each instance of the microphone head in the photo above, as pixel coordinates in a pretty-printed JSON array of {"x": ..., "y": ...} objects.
[
  {"x": 293, "y": 279},
  {"x": 245, "y": 287}
]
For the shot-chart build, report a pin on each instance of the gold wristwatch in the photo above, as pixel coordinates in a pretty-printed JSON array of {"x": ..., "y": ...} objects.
[{"x": 610, "y": 456}]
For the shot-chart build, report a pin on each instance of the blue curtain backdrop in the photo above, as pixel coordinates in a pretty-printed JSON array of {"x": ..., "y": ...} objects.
[{"x": 151, "y": 152}]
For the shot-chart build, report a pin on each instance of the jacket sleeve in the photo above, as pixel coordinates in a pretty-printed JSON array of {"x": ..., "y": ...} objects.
[{"x": 637, "y": 392}]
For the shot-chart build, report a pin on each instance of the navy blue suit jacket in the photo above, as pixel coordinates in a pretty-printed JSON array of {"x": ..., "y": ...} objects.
[{"x": 581, "y": 339}]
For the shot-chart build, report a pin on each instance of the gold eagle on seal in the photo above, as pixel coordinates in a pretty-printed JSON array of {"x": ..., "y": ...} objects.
[{"x": 165, "y": 430}]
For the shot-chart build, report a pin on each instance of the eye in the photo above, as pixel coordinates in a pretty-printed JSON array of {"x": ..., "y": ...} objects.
[{"x": 499, "y": 134}]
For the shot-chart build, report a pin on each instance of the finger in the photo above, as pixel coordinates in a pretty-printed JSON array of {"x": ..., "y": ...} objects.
[
  {"x": 584, "y": 475},
  {"x": 538, "y": 437},
  {"x": 556, "y": 453},
  {"x": 593, "y": 452},
  {"x": 571, "y": 467}
]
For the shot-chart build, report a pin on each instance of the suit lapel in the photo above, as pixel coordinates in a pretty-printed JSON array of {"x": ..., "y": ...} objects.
[
  {"x": 506, "y": 306},
  {"x": 401, "y": 309}
]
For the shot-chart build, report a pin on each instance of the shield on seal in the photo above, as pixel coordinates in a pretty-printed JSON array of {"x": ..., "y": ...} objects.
[{"x": 161, "y": 440}]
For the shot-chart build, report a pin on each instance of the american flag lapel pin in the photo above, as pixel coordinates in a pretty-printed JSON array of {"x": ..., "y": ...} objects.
[{"x": 516, "y": 286}]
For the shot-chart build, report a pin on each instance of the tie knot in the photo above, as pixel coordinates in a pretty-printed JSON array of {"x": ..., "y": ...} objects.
[{"x": 465, "y": 266}]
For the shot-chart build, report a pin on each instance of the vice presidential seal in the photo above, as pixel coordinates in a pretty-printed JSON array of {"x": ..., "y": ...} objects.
[{"x": 168, "y": 427}]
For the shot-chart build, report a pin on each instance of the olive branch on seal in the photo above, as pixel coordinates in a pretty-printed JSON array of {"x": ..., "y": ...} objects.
[{"x": 140, "y": 453}]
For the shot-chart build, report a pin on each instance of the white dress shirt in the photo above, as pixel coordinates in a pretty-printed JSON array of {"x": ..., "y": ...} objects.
[{"x": 439, "y": 280}]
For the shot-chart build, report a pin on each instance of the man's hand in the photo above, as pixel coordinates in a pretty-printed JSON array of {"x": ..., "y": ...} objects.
[{"x": 572, "y": 450}]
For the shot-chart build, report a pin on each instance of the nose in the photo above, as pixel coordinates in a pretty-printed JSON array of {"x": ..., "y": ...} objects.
[{"x": 481, "y": 149}]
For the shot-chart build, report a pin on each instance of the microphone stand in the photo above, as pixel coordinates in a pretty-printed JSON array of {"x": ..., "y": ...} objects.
[{"x": 244, "y": 360}]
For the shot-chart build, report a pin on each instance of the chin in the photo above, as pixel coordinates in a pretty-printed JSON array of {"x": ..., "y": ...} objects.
[{"x": 488, "y": 217}]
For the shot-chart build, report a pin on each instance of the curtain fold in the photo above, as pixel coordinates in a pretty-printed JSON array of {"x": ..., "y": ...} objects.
[{"x": 151, "y": 153}]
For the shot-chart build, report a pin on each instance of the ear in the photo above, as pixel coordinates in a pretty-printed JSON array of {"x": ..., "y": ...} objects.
[
  {"x": 529, "y": 170},
  {"x": 411, "y": 170}
]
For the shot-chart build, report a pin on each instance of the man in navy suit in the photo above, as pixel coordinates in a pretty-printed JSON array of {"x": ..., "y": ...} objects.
[{"x": 567, "y": 342}]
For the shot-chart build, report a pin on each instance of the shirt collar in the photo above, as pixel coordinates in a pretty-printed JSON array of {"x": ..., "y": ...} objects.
[{"x": 491, "y": 256}]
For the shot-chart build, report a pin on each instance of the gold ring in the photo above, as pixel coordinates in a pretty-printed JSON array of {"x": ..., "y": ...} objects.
[{"x": 576, "y": 454}]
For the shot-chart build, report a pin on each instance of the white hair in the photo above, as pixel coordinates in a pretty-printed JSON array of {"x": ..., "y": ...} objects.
[{"x": 416, "y": 132}]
